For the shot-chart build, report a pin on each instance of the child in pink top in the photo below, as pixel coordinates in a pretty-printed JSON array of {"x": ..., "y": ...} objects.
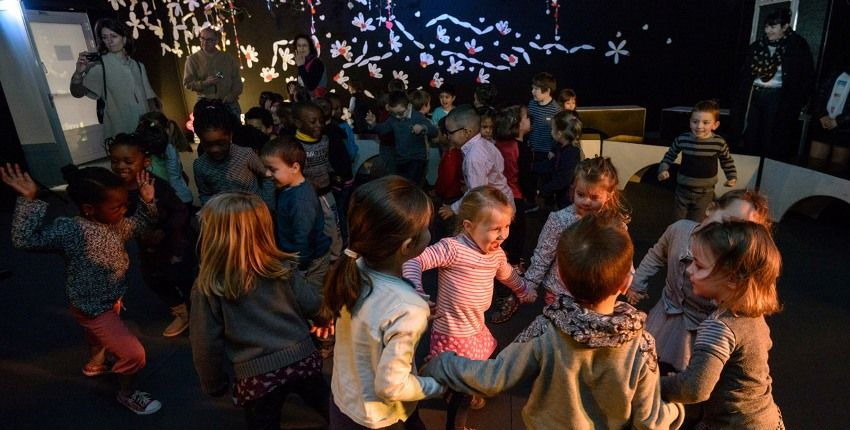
[{"x": 468, "y": 263}]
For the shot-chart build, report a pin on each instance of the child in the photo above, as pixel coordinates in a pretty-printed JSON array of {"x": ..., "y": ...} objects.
[
  {"x": 299, "y": 221},
  {"x": 342, "y": 192},
  {"x": 484, "y": 96},
  {"x": 421, "y": 102},
  {"x": 379, "y": 315},
  {"x": 410, "y": 129},
  {"x": 566, "y": 130},
  {"x": 567, "y": 99},
  {"x": 593, "y": 364},
  {"x": 164, "y": 159},
  {"x": 96, "y": 263},
  {"x": 701, "y": 149},
  {"x": 735, "y": 264},
  {"x": 541, "y": 109},
  {"x": 447, "y": 103},
  {"x": 284, "y": 122},
  {"x": 327, "y": 165},
  {"x": 675, "y": 318},
  {"x": 224, "y": 166},
  {"x": 248, "y": 307},
  {"x": 488, "y": 119},
  {"x": 165, "y": 252},
  {"x": 358, "y": 105},
  {"x": 482, "y": 162},
  {"x": 468, "y": 263},
  {"x": 261, "y": 119},
  {"x": 595, "y": 192}
]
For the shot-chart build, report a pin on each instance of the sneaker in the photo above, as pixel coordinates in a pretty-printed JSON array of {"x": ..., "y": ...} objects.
[
  {"x": 180, "y": 323},
  {"x": 506, "y": 307},
  {"x": 91, "y": 370},
  {"x": 139, "y": 402},
  {"x": 477, "y": 402}
]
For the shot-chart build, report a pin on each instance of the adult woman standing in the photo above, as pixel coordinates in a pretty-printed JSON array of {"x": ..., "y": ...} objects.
[
  {"x": 111, "y": 75},
  {"x": 831, "y": 131},
  {"x": 312, "y": 74},
  {"x": 776, "y": 82}
]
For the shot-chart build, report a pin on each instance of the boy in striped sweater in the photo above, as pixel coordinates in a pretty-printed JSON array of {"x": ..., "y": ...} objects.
[{"x": 700, "y": 149}]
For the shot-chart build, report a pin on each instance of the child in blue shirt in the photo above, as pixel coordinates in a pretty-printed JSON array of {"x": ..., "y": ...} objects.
[{"x": 299, "y": 220}]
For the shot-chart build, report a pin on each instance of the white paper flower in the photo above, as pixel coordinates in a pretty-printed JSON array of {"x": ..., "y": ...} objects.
[
  {"x": 287, "y": 57},
  {"x": 425, "y": 59},
  {"x": 341, "y": 49},
  {"x": 268, "y": 74},
  {"x": 395, "y": 45},
  {"x": 115, "y": 3},
  {"x": 176, "y": 10},
  {"x": 502, "y": 27},
  {"x": 436, "y": 81},
  {"x": 291, "y": 79},
  {"x": 400, "y": 76},
  {"x": 192, "y": 4},
  {"x": 441, "y": 34},
  {"x": 135, "y": 24},
  {"x": 341, "y": 79},
  {"x": 455, "y": 67},
  {"x": 362, "y": 23},
  {"x": 471, "y": 48},
  {"x": 250, "y": 54},
  {"x": 482, "y": 78},
  {"x": 511, "y": 59},
  {"x": 176, "y": 49},
  {"x": 375, "y": 71},
  {"x": 617, "y": 50}
]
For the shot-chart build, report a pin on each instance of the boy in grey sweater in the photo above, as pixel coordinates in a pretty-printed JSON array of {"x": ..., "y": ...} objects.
[{"x": 593, "y": 364}]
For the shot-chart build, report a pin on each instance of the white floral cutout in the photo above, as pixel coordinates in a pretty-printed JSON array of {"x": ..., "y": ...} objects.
[
  {"x": 287, "y": 57},
  {"x": 617, "y": 50},
  {"x": 502, "y": 28},
  {"x": 400, "y": 76},
  {"x": 455, "y": 67},
  {"x": 250, "y": 55},
  {"x": 425, "y": 59},
  {"x": 482, "y": 78},
  {"x": 135, "y": 24},
  {"x": 436, "y": 81},
  {"x": 511, "y": 59},
  {"x": 395, "y": 45},
  {"x": 471, "y": 48},
  {"x": 362, "y": 23},
  {"x": 341, "y": 79},
  {"x": 341, "y": 49},
  {"x": 375, "y": 71},
  {"x": 268, "y": 74},
  {"x": 441, "y": 34}
]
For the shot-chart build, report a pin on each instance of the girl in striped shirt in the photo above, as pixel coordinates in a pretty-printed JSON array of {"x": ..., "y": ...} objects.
[{"x": 468, "y": 263}]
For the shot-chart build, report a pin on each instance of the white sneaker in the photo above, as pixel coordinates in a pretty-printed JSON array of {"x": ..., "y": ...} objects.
[{"x": 139, "y": 402}]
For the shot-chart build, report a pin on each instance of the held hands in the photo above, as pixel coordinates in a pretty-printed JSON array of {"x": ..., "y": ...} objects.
[
  {"x": 323, "y": 332},
  {"x": 146, "y": 190},
  {"x": 371, "y": 119},
  {"x": 633, "y": 296},
  {"x": 730, "y": 182},
  {"x": 446, "y": 212},
  {"x": 530, "y": 295},
  {"x": 550, "y": 155},
  {"x": 828, "y": 123},
  {"x": 19, "y": 181},
  {"x": 663, "y": 176}
]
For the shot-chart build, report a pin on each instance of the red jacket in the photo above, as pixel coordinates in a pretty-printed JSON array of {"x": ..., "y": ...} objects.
[
  {"x": 510, "y": 153},
  {"x": 449, "y": 184}
]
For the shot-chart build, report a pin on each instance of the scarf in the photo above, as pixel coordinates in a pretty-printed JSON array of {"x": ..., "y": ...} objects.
[{"x": 764, "y": 63}]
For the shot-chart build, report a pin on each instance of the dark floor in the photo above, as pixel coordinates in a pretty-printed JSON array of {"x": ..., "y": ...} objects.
[{"x": 42, "y": 349}]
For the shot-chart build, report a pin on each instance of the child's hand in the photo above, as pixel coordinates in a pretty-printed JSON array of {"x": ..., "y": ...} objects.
[
  {"x": 370, "y": 119},
  {"x": 662, "y": 176},
  {"x": 633, "y": 297},
  {"x": 730, "y": 182},
  {"x": 529, "y": 297},
  {"x": 551, "y": 155},
  {"x": 323, "y": 332},
  {"x": 446, "y": 212},
  {"x": 19, "y": 181},
  {"x": 146, "y": 190},
  {"x": 417, "y": 129}
]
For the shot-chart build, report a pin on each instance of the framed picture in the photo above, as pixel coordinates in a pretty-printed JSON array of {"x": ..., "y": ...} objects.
[{"x": 764, "y": 8}]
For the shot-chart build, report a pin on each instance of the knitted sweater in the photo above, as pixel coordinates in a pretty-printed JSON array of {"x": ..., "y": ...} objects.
[
  {"x": 543, "y": 269},
  {"x": 699, "y": 160},
  {"x": 241, "y": 170},
  {"x": 262, "y": 331},
  {"x": 589, "y": 370},
  {"x": 729, "y": 373},
  {"x": 201, "y": 65},
  {"x": 96, "y": 262},
  {"x": 540, "y": 139}
]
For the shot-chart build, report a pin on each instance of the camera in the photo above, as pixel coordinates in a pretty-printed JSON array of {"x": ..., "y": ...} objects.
[{"x": 93, "y": 56}]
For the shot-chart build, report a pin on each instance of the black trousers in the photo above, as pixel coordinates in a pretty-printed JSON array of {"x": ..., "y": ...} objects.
[{"x": 264, "y": 413}]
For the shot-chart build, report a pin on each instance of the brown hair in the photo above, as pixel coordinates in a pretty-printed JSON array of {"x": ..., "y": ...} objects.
[
  {"x": 597, "y": 169},
  {"x": 419, "y": 98},
  {"x": 382, "y": 215},
  {"x": 506, "y": 123},
  {"x": 744, "y": 252},
  {"x": 545, "y": 81},
  {"x": 565, "y": 95},
  {"x": 287, "y": 149},
  {"x": 757, "y": 200},
  {"x": 594, "y": 258},
  {"x": 478, "y": 199},
  {"x": 237, "y": 245},
  {"x": 708, "y": 106},
  {"x": 568, "y": 124}
]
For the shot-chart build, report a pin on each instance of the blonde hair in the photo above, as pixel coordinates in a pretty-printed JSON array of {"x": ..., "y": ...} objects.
[
  {"x": 476, "y": 200},
  {"x": 237, "y": 245},
  {"x": 745, "y": 253},
  {"x": 761, "y": 211}
]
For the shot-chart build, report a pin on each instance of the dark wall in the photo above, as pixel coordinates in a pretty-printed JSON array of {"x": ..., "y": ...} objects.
[{"x": 678, "y": 51}]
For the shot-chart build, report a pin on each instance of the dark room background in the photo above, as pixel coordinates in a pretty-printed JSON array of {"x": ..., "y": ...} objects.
[{"x": 654, "y": 54}]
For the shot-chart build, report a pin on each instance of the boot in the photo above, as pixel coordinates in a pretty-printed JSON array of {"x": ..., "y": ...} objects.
[{"x": 180, "y": 323}]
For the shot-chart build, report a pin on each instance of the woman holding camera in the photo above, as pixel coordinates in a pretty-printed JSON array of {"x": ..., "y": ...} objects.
[{"x": 119, "y": 82}]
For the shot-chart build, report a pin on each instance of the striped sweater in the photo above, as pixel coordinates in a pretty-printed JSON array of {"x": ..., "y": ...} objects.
[
  {"x": 465, "y": 282},
  {"x": 699, "y": 160},
  {"x": 540, "y": 139}
]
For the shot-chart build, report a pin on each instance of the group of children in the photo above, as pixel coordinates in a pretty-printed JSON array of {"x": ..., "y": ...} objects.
[{"x": 275, "y": 273}]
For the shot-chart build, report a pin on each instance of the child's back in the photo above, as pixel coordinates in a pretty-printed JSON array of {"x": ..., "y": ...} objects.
[{"x": 299, "y": 224}]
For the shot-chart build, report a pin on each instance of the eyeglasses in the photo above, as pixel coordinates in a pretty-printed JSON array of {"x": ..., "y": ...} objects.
[{"x": 451, "y": 132}]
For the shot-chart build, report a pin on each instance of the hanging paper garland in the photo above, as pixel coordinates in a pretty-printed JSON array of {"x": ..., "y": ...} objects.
[
  {"x": 235, "y": 33},
  {"x": 553, "y": 7}
]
